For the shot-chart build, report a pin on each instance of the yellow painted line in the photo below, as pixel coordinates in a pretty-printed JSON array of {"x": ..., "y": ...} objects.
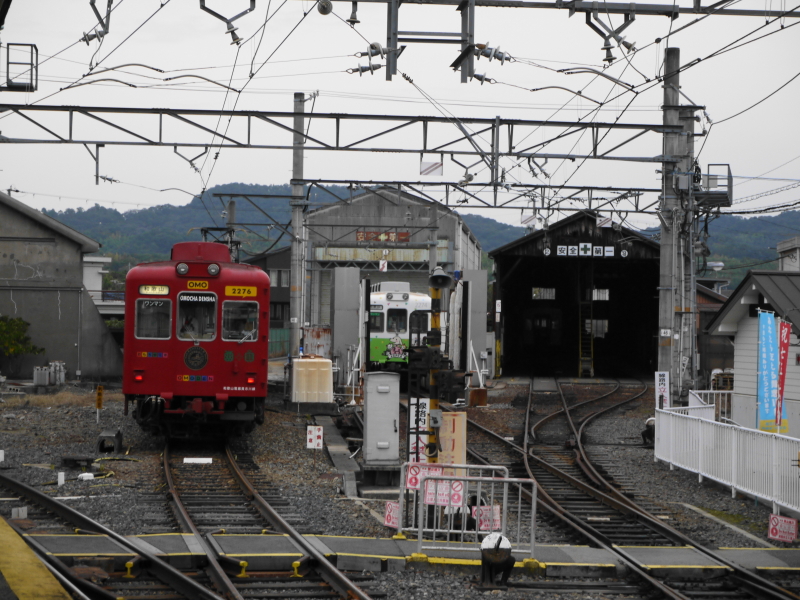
[
  {"x": 163, "y": 535},
  {"x": 251, "y": 554},
  {"x": 25, "y": 574},
  {"x": 181, "y": 554},
  {"x": 658, "y": 547},
  {"x": 548, "y": 563},
  {"x": 686, "y": 567},
  {"x": 351, "y": 537},
  {"x": 92, "y": 553},
  {"x": 253, "y": 535},
  {"x": 761, "y": 549},
  {"x": 778, "y": 568},
  {"x": 369, "y": 555}
]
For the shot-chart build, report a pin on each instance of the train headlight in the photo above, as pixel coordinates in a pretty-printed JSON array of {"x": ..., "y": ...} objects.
[
  {"x": 389, "y": 296},
  {"x": 213, "y": 269},
  {"x": 405, "y": 296},
  {"x": 182, "y": 269}
]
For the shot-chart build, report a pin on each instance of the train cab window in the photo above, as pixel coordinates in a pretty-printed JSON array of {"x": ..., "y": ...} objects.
[
  {"x": 396, "y": 321},
  {"x": 240, "y": 321},
  {"x": 376, "y": 322},
  {"x": 197, "y": 316},
  {"x": 153, "y": 318}
]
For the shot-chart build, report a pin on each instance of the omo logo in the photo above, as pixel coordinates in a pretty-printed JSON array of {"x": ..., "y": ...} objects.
[{"x": 197, "y": 285}]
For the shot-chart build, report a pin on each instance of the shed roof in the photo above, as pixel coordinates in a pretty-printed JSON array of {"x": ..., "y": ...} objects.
[
  {"x": 781, "y": 289},
  {"x": 87, "y": 244},
  {"x": 588, "y": 214}
]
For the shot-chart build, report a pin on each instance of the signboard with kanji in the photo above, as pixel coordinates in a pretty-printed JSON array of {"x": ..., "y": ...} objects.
[
  {"x": 444, "y": 493},
  {"x": 415, "y": 473},
  {"x": 782, "y": 529},
  {"x": 314, "y": 437},
  {"x": 453, "y": 439},
  {"x": 391, "y": 516},
  {"x": 662, "y": 389},
  {"x": 487, "y": 517}
]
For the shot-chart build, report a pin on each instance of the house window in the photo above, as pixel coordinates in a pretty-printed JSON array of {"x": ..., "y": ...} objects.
[
  {"x": 285, "y": 278},
  {"x": 544, "y": 293},
  {"x": 600, "y": 294},
  {"x": 277, "y": 311},
  {"x": 598, "y": 327}
]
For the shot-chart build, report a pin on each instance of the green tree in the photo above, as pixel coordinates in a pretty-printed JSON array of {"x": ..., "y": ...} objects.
[{"x": 13, "y": 338}]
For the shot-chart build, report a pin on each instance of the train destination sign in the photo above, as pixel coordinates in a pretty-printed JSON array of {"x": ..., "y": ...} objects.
[
  {"x": 197, "y": 285},
  {"x": 154, "y": 290}
]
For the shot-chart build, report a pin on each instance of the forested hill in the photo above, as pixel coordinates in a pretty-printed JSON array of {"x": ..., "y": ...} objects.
[{"x": 149, "y": 233}]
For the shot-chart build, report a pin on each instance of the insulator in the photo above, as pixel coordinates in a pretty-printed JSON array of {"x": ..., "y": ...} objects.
[
  {"x": 490, "y": 53},
  {"x": 370, "y": 68},
  {"x": 325, "y": 7},
  {"x": 353, "y": 17},
  {"x": 375, "y": 49},
  {"x": 482, "y": 78},
  {"x": 96, "y": 34}
]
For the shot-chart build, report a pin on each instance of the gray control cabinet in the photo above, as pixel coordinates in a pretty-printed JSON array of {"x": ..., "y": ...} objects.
[{"x": 381, "y": 419}]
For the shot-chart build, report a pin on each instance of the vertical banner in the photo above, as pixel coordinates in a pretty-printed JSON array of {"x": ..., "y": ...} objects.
[
  {"x": 784, "y": 333},
  {"x": 767, "y": 371},
  {"x": 662, "y": 389},
  {"x": 416, "y": 450},
  {"x": 453, "y": 438}
]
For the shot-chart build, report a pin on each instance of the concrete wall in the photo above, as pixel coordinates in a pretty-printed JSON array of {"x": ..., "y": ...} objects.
[{"x": 41, "y": 281}]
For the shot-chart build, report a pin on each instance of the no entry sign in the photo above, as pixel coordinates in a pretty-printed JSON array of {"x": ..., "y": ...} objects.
[
  {"x": 782, "y": 529},
  {"x": 415, "y": 473}
]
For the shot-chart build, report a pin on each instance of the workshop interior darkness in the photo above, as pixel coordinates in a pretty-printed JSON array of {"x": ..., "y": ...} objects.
[{"x": 545, "y": 306}]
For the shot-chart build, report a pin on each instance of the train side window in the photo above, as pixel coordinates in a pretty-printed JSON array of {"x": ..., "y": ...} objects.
[
  {"x": 396, "y": 321},
  {"x": 376, "y": 322},
  {"x": 197, "y": 316},
  {"x": 153, "y": 318},
  {"x": 240, "y": 321}
]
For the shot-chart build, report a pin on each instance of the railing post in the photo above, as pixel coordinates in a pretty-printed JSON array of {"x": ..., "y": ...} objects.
[
  {"x": 776, "y": 509},
  {"x": 700, "y": 453},
  {"x": 734, "y": 461},
  {"x": 671, "y": 443}
]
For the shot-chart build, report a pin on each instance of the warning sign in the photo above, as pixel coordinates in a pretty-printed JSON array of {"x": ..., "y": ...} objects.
[
  {"x": 391, "y": 516},
  {"x": 488, "y": 517},
  {"x": 415, "y": 473},
  {"x": 782, "y": 529},
  {"x": 444, "y": 493},
  {"x": 314, "y": 437}
]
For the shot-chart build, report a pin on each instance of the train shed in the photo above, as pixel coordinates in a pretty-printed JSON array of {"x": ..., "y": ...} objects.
[{"x": 578, "y": 299}]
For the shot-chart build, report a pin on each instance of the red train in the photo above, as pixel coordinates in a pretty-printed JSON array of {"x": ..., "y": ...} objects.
[{"x": 196, "y": 343}]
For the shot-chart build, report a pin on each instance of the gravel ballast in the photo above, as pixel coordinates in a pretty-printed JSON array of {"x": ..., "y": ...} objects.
[{"x": 37, "y": 431}]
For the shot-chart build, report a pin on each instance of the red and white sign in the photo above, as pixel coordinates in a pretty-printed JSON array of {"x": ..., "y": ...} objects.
[
  {"x": 782, "y": 529},
  {"x": 391, "y": 516},
  {"x": 662, "y": 389},
  {"x": 488, "y": 517},
  {"x": 784, "y": 333},
  {"x": 444, "y": 493},
  {"x": 314, "y": 437},
  {"x": 415, "y": 473}
]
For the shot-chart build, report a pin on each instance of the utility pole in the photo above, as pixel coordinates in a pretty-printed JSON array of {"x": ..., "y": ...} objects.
[
  {"x": 297, "y": 203},
  {"x": 230, "y": 235},
  {"x": 677, "y": 302},
  {"x": 668, "y": 208}
]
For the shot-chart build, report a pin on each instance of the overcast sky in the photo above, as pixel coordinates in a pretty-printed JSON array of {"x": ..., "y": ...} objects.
[{"x": 181, "y": 39}]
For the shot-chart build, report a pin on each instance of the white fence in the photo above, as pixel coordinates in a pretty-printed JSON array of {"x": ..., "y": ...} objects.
[{"x": 758, "y": 463}]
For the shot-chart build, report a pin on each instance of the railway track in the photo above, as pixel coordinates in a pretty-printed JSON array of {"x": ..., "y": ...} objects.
[
  {"x": 579, "y": 498},
  {"x": 220, "y": 497},
  {"x": 97, "y": 577}
]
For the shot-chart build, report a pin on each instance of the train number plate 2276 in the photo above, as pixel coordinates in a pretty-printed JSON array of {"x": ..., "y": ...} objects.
[{"x": 235, "y": 290}]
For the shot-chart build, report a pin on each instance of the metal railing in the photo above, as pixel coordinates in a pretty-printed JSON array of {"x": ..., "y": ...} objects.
[
  {"x": 762, "y": 464},
  {"x": 453, "y": 507},
  {"x": 721, "y": 399}
]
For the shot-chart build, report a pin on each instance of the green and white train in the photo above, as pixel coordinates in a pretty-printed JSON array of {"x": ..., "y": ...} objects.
[{"x": 398, "y": 318}]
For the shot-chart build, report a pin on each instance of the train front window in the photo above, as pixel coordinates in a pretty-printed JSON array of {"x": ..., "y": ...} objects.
[
  {"x": 153, "y": 318},
  {"x": 240, "y": 321},
  {"x": 376, "y": 322},
  {"x": 197, "y": 316},
  {"x": 396, "y": 321}
]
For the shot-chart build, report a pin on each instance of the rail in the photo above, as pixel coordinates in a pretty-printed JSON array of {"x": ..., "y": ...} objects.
[{"x": 762, "y": 464}]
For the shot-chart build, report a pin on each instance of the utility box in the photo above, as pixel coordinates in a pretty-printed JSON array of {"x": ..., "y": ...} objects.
[
  {"x": 381, "y": 420},
  {"x": 312, "y": 380}
]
